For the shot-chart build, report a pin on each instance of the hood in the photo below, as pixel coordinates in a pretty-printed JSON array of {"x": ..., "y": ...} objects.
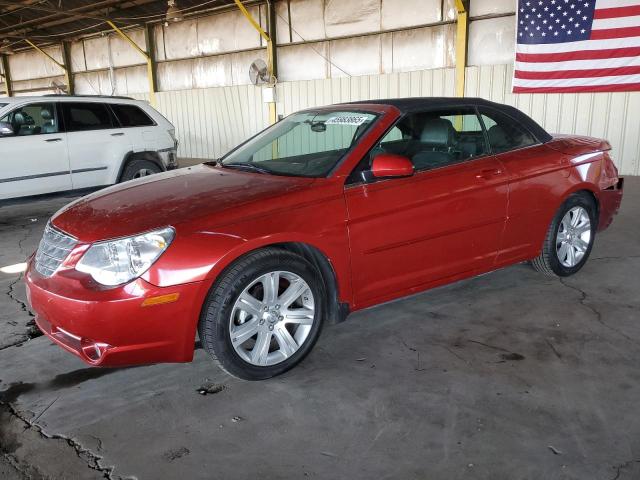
[{"x": 171, "y": 198}]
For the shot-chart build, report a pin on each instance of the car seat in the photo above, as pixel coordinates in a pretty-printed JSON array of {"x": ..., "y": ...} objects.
[
  {"x": 498, "y": 139},
  {"x": 49, "y": 124},
  {"x": 437, "y": 140}
]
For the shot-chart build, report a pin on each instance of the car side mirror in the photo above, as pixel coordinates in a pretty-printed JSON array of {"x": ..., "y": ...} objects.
[
  {"x": 390, "y": 165},
  {"x": 6, "y": 130}
]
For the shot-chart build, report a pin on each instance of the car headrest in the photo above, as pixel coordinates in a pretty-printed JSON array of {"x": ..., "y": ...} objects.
[
  {"x": 437, "y": 131},
  {"x": 45, "y": 113},
  {"x": 497, "y": 137},
  {"x": 19, "y": 119}
]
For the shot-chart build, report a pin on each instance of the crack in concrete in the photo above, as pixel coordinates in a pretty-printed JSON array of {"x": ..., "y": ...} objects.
[
  {"x": 92, "y": 460},
  {"x": 622, "y": 466},
  {"x": 32, "y": 330},
  {"x": 621, "y": 257},
  {"x": 596, "y": 312},
  {"x": 13, "y": 462}
]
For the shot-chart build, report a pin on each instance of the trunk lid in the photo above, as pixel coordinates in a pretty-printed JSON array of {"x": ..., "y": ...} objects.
[{"x": 577, "y": 144}]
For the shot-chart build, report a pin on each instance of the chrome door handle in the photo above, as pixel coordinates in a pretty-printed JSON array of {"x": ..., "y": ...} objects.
[
  {"x": 487, "y": 174},
  {"x": 119, "y": 134},
  {"x": 53, "y": 140}
]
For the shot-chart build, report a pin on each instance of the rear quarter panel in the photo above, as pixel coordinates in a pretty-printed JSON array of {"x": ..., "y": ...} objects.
[{"x": 541, "y": 179}]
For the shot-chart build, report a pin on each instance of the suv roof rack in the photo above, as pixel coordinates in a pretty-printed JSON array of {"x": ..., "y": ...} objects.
[{"x": 87, "y": 96}]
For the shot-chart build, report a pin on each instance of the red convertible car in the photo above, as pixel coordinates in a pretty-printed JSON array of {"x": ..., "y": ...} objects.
[{"x": 329, "y": 211}]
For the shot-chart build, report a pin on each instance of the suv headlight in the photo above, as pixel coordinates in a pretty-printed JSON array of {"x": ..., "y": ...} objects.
[{"x": 115, "y": 262}]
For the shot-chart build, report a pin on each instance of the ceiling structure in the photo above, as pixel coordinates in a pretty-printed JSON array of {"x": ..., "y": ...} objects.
[{"x": 51, "y": 21}]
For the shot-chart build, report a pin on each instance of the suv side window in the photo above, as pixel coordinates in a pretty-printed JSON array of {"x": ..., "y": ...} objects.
[
  {"x": 33, "y": 119},
  {"x": 86, "y": 116},
  {"x": 504, "y": 133},
  {"x": 132, "y": 116}
]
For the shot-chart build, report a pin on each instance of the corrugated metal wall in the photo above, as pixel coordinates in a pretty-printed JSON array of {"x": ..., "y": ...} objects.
[{"x": 211, "y": 121}]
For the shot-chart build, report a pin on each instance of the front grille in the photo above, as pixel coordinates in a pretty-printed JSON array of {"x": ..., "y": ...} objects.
[{"x": 54, "y": 247}]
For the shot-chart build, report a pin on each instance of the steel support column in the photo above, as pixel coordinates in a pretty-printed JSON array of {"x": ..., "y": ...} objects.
[
  {"x": 68, "y": 74},
  {"x": 151, "y": 77},
  {"x": 462, "y": 44},
  {"x": 152, "y": 70},
  {"x": 6, "y": 73}
]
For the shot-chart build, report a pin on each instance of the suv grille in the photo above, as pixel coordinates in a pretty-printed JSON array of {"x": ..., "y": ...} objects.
[{"x": 54, "y": 247}]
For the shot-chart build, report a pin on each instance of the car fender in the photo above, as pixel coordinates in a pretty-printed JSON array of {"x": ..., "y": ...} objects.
[
  {"x": 580, "y": 180},
  {"x": 203, "y": 256},
  {"x": 131, "y": 155}
]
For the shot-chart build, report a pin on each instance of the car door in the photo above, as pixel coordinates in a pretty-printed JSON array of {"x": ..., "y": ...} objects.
[
  {"x": 445, "y": 220},
  {"x": 34, "y": 158},
  {"x": 97, "y": 143},
  {"x": 537, "y": 176},
  {"x": 140, "y": 127}
]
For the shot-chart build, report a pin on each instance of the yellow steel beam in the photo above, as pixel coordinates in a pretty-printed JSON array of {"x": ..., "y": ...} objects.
[
  {"x": 462, "y": 44},
  {"x": 67, "y": 71},
  {"x": 45, "y": 54},
  {"x": 252, "y": 21},
  {"x": 270, "y": 53},
  {"x": 147, "y": 57}
]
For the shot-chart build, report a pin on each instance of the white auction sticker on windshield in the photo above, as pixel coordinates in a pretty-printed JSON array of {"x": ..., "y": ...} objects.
[{"x": 350, "y": 120}]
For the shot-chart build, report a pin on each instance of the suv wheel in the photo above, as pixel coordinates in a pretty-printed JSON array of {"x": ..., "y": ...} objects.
[
  {"x": 139, "y": 169},
  {"x": 263, "y": 315}
]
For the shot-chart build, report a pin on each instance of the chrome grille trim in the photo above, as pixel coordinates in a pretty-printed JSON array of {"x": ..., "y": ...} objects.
[{"x": 54, "y": 248}]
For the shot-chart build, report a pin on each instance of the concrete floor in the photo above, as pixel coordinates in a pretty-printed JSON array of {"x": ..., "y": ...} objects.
[{"x": 507, "y": 376}]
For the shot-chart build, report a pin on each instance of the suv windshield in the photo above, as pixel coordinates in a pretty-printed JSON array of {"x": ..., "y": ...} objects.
[{"x": 307, "y": 144}]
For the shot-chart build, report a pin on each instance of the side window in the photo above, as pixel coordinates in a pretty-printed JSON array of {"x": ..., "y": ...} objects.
[
  {"x": 86, "y": 116},
  {"x": 437, "y": 139},
  {"x": 431, "y": 140},
  {"x": 132, "y": 116},
  {"x": 504, "y": 133},
  {"x": 33, "y": 119}
]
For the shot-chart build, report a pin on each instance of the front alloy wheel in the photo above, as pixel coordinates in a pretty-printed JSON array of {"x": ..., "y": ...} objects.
[
  {"x": 263, "y": 314},
  {"x": 272, "y": 318}
]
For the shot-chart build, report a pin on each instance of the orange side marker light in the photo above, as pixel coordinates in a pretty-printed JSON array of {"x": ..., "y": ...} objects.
[{"x": 160, "y": 300}]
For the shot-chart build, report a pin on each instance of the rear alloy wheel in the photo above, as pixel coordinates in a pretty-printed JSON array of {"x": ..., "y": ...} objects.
[
  {"x": 139, "y": 169},
  {"x": 569, "y": 239},
  {"x": 263, "y": 315},
  {"x": 574, "y": 237}
]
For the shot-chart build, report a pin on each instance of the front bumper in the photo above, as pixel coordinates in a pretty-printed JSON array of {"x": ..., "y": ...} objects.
[
  {"x": 610, "y": 200},
  {"x": 114, "y": 327}
]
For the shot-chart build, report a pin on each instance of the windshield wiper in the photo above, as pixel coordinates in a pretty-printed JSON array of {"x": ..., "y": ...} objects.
[{"x": 247, "y": 166}]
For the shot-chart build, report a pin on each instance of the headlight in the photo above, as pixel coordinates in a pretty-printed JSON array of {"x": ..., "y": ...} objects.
[{"x": 119, "y": 261}]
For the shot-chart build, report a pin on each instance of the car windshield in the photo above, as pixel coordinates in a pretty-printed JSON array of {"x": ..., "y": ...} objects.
[{"x": 307, "y": 144}]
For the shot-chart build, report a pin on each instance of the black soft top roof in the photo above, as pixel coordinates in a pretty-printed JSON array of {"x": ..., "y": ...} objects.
[{"x": 415, "y": 104}]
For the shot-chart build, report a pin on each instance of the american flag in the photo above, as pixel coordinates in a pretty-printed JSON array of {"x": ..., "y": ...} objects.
[{"x": 577, "y": 46}]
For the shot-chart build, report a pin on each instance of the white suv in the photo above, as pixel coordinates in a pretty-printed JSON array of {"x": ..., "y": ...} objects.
[{"x": 58, "y": 143}]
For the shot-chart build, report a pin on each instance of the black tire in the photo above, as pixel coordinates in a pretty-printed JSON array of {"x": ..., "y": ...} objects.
[
  {"x": 548, "y": 262},
  {"x": 136, "y": 167},
  {"x": 214, "y": 328}
]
